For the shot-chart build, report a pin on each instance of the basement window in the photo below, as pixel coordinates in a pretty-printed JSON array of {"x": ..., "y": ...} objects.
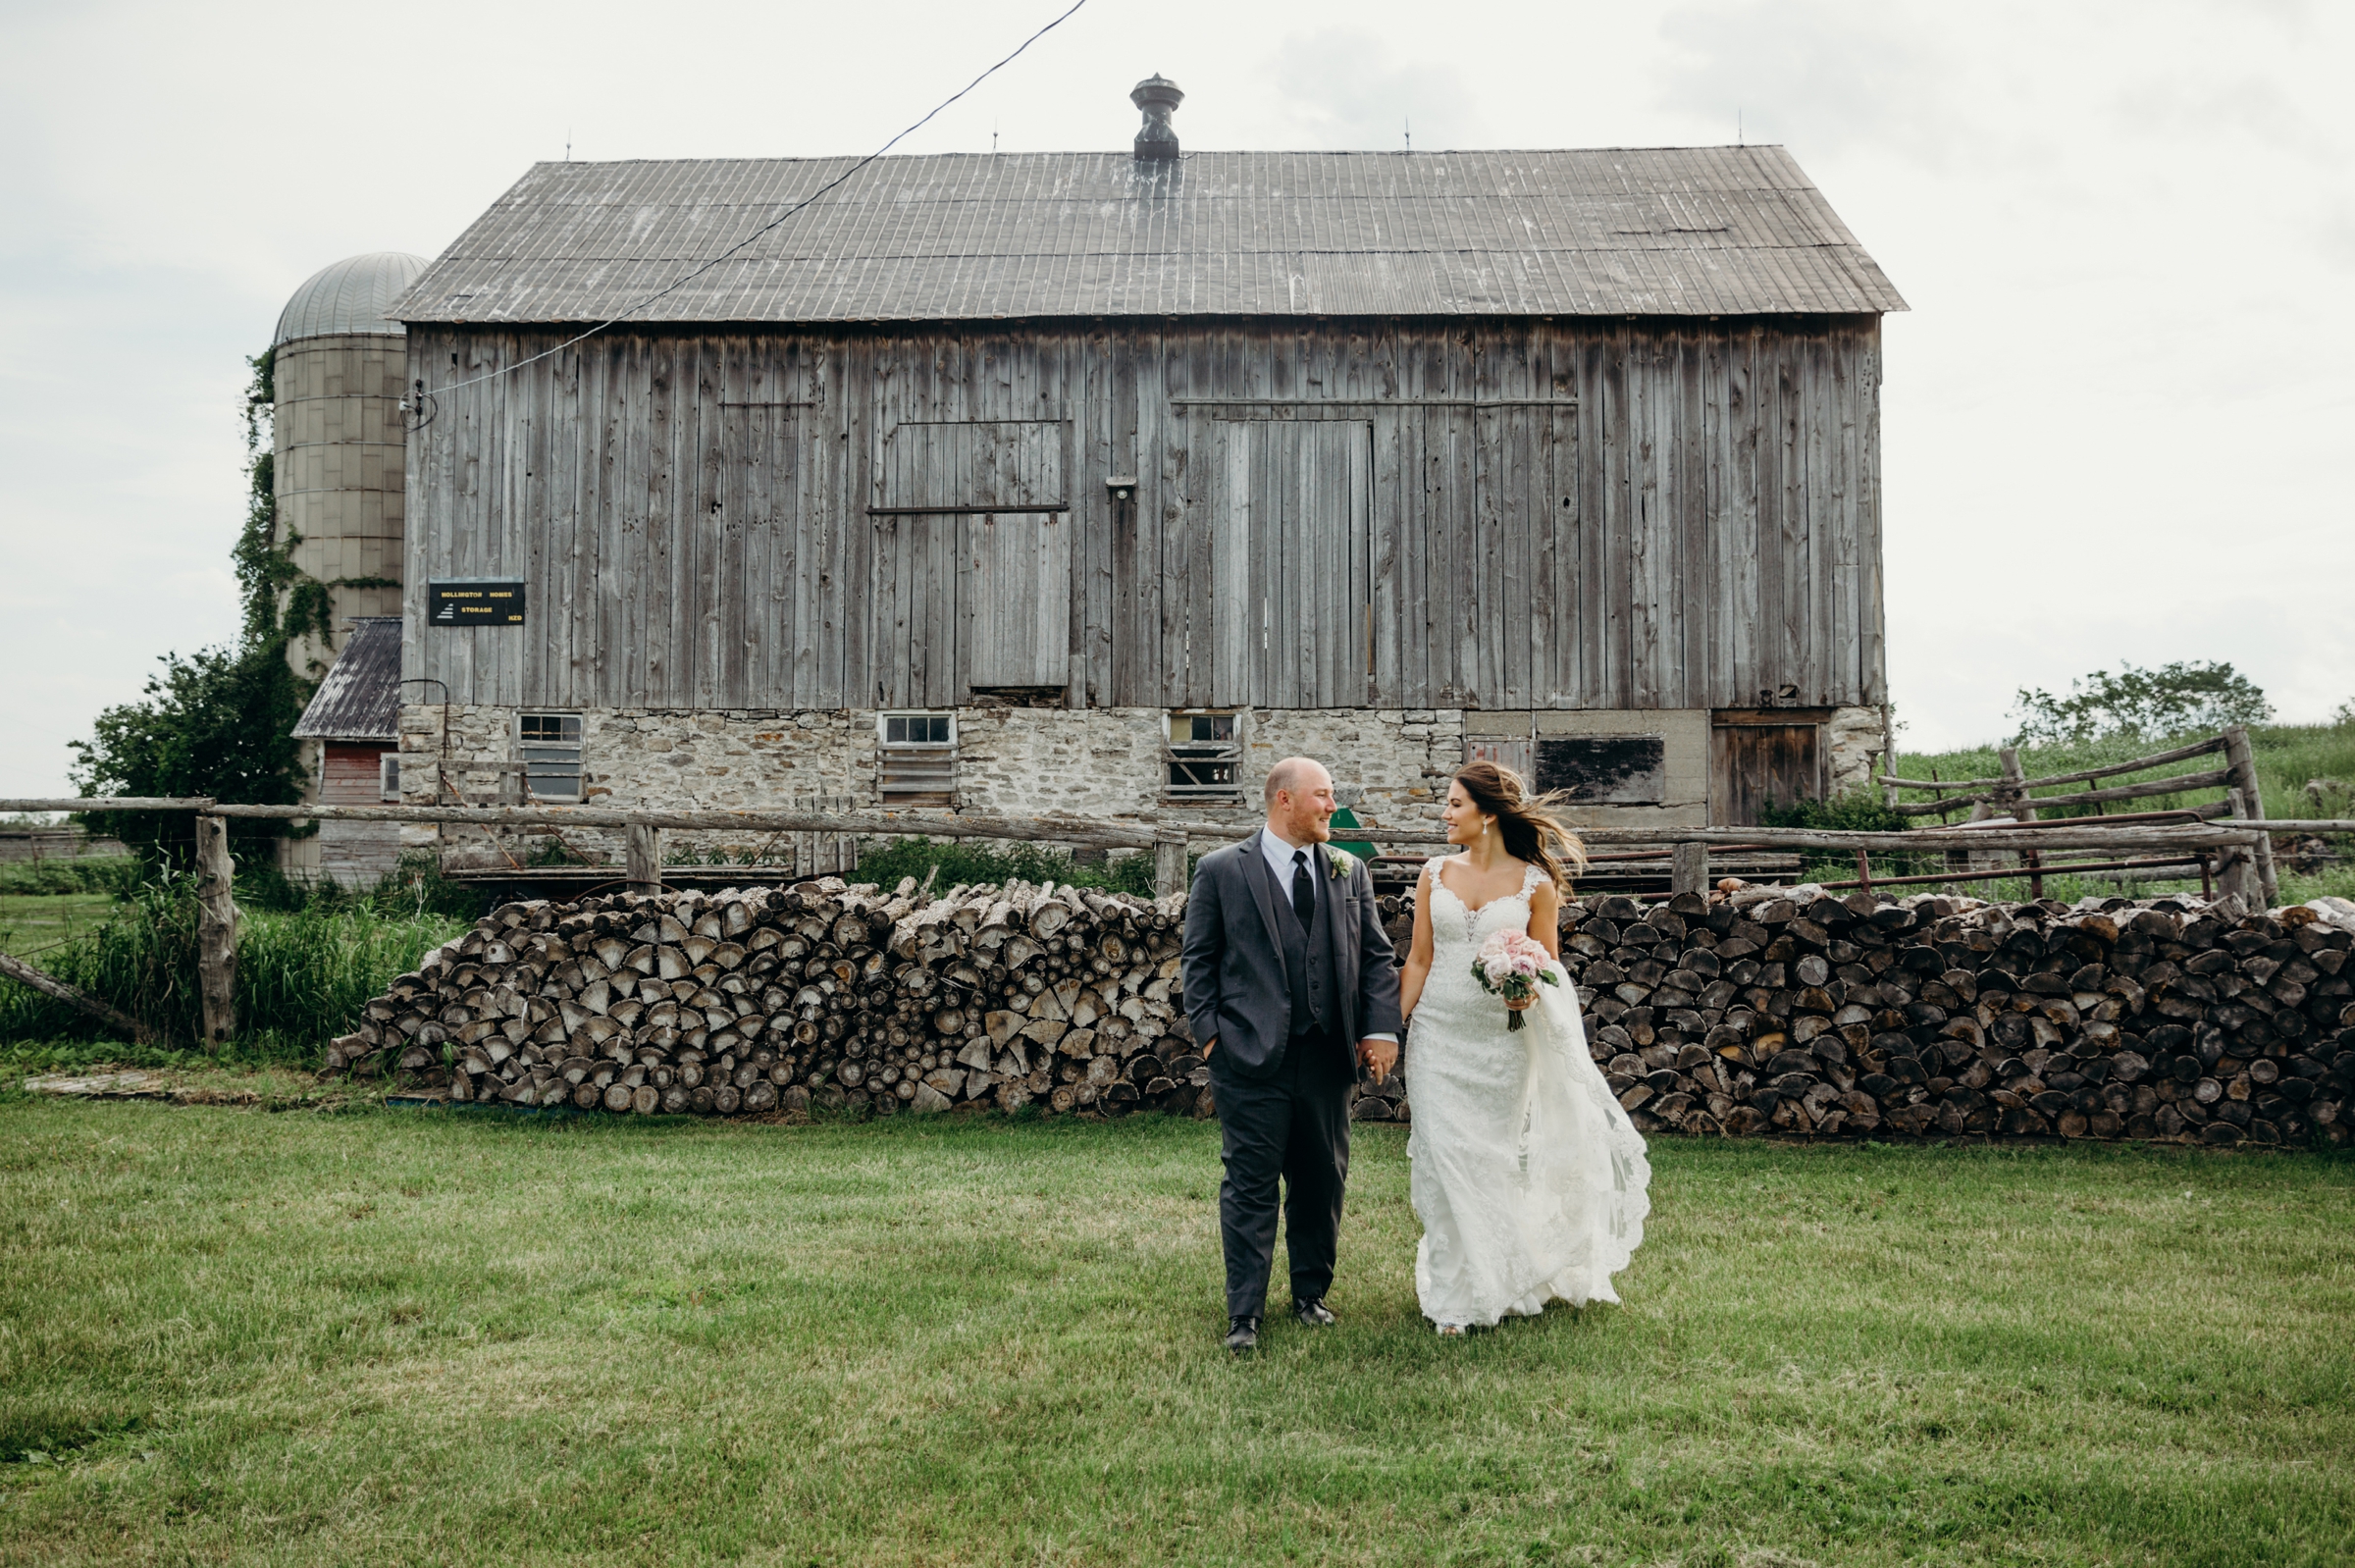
[
  {"x": 550, "y": 744},
  {"x": 918, "y": 766},
  {"x": 387, "y": 776},
  {"x": 1204, "y": 759}
]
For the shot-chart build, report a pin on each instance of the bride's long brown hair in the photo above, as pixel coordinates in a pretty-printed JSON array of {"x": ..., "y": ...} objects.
[{"x": 1532, "y": 832}]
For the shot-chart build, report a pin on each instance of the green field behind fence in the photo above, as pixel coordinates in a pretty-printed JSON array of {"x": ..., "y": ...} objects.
[
  {"x": 2288, "y": 758},
  {"x": 406, "y": 1337}
]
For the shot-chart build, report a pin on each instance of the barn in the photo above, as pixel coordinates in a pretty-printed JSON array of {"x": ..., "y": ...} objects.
[{"x": 1098, "y": 481}]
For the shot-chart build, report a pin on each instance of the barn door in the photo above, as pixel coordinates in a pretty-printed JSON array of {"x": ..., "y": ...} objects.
[
  {"x": 1015, "y": 584},
  {"x": 1291, "y": 507},
  {"x": 915, "y": 608},
  {"x": 1757, "y": 757},
  {"x": 973, "y": 557}
]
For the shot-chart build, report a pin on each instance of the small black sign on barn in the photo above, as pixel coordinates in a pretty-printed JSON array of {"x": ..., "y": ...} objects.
[
  {"x": 474, "y": 601},
  {"x": 1604, "y": 770}
]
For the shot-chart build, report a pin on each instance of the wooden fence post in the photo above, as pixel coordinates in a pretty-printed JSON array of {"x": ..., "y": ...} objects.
[
  {"x": 2243, "y": 764},
  {"x": 2236, "y": 867},
  {"x": 645, "y": 851},
  {"x": 216, "y": 929},
  {"x": 2011, "y": 794},
  {"x": 1168, "y": 863},
  {"x": 1690, "y": 869}
]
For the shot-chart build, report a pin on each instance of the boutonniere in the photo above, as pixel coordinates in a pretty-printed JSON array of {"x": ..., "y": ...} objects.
[{"x": 1340, "y": 864}]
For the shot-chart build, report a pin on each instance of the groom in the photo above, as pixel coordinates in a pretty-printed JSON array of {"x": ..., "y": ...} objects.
[{"x": 1289, "y": 984}]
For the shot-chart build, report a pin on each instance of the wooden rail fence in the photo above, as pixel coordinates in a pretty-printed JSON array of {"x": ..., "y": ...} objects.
[
  {"x": 2008, "y": 793},
  {"x": 2236, "y": 845}
]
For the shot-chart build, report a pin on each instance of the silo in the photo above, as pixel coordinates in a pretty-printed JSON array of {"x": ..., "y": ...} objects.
[{"x": 339, "y": 369}]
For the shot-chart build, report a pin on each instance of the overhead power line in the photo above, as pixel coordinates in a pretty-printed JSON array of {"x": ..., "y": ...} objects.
[{"x": 693, "y": 273}]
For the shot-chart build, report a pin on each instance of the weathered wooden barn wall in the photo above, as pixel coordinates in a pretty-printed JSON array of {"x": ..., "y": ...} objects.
[{"x": 1516, "y": 514}]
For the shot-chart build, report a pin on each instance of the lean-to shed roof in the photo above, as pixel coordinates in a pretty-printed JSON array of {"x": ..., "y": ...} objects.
[
  {"x": 361, "y": 698},
  {"x": 1672, "y": 231}
]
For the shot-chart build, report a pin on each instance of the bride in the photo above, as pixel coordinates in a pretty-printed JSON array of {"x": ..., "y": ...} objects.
[{"x": 1528, "y": 1178}]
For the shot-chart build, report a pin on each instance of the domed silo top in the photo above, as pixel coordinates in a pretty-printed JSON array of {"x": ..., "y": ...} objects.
[{"x": 350, "y": 297}]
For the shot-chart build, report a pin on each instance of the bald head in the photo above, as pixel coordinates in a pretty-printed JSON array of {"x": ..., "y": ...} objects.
[{"x": 1300, "y": 803}]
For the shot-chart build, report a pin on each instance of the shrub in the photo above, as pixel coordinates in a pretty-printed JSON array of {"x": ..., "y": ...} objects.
[
  {"x": 117, "y": 874},
  {"x": 966, "y": 861},
  {"x": 1857, "y": 811}
]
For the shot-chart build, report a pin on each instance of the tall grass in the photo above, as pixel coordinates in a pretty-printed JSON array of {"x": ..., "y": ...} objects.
[{"x": 302, "y": 976}]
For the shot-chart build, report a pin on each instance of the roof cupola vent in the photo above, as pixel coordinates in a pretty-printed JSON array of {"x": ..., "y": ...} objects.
[{"x": 1158, "y": 96}]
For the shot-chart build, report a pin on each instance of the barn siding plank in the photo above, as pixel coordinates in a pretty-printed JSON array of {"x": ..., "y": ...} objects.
[
  {"x": 1746, "y": 379},
  {"x": 1648, "y": 538},
  {"x": 1690, "y": 449},
  {"x": 1605, "y": 546},
  {"x": 1820, "y": 518},
  {"x": 1872, "y": 631},
  {"x": 1839, "y": 651}
]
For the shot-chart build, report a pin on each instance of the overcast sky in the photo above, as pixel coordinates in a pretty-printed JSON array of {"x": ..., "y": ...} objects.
[{"x": 2116, "y": 420}]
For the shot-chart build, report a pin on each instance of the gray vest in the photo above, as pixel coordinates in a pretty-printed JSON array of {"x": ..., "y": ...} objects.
[{"x": 1307, "y": 954}]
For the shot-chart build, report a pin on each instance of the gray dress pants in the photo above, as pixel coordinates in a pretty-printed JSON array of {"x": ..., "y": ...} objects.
[{"x": 1291, "y": 1126}]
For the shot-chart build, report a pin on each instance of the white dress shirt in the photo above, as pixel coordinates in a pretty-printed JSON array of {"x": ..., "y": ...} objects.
[{"x": 1280, "y": 851}]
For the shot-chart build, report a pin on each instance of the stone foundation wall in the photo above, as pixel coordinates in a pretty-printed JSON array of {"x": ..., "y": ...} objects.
[{"x": 1390, "y": 765}]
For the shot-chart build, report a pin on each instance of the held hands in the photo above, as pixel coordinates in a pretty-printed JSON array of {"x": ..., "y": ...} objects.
[{"x": 1380, "y": 1057}]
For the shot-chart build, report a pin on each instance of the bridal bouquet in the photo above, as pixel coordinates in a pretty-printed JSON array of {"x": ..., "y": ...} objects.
[{"x": 1512, "y": 965}]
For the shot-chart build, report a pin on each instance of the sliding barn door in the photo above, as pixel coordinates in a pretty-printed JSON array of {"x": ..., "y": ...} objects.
[
  {"x": 973, "y": 558},
  {"x": 1288, "y": 507},
  {"x": 1017, "y": 587}
]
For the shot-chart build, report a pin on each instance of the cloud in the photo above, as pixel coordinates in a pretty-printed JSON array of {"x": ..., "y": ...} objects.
[
  {"x": 1819, "y": 75},
  {"x": 1342, "y": 90}
]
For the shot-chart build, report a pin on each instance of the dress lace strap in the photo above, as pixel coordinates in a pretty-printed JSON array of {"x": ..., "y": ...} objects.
[{"x": 1530, "y": 878}]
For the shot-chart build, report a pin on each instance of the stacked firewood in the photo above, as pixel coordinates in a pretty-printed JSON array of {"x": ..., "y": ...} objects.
[
  {"x": 767, "y": 999},
  {"x": 1750, "y": 1010},
  {"x": 1766, "y": 1010}
]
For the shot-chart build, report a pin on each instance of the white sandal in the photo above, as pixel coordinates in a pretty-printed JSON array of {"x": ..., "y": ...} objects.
[{"x": 1452, "y": 1330}]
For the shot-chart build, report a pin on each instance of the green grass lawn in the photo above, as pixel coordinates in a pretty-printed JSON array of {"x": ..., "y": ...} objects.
[
  {"x": 32, "y": 920},
  {"x": 400, "y": 1336}
]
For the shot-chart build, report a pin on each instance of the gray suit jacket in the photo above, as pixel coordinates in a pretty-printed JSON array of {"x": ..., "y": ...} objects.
[{"x": 1236, "y": 990}]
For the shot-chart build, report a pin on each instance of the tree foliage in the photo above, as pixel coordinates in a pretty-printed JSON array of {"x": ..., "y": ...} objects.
[
  {"x": 216, "y": 723},
  {"x": 2140, "y": 704}
]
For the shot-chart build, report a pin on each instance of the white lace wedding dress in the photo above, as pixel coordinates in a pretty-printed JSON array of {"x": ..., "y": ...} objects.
[{"x": 1528, "y": 1177}]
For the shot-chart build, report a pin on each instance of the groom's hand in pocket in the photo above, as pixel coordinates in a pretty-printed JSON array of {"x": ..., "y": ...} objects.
[{"x": 1209, "y": 1046}]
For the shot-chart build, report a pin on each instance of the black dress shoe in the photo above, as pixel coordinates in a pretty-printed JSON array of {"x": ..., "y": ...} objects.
[
  {"x": 1242, "y": 1335},
  {"x": 1312, "y": 1314}
]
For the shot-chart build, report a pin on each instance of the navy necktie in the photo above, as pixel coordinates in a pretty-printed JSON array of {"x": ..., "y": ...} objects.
[{"x": 1304, "y": 891}]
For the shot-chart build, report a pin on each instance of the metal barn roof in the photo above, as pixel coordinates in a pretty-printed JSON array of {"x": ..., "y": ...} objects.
[
  {"x": 350, "y": 296},
  {"x": 1673, "y": 231},
  {"x": 361, "y": 698}
]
